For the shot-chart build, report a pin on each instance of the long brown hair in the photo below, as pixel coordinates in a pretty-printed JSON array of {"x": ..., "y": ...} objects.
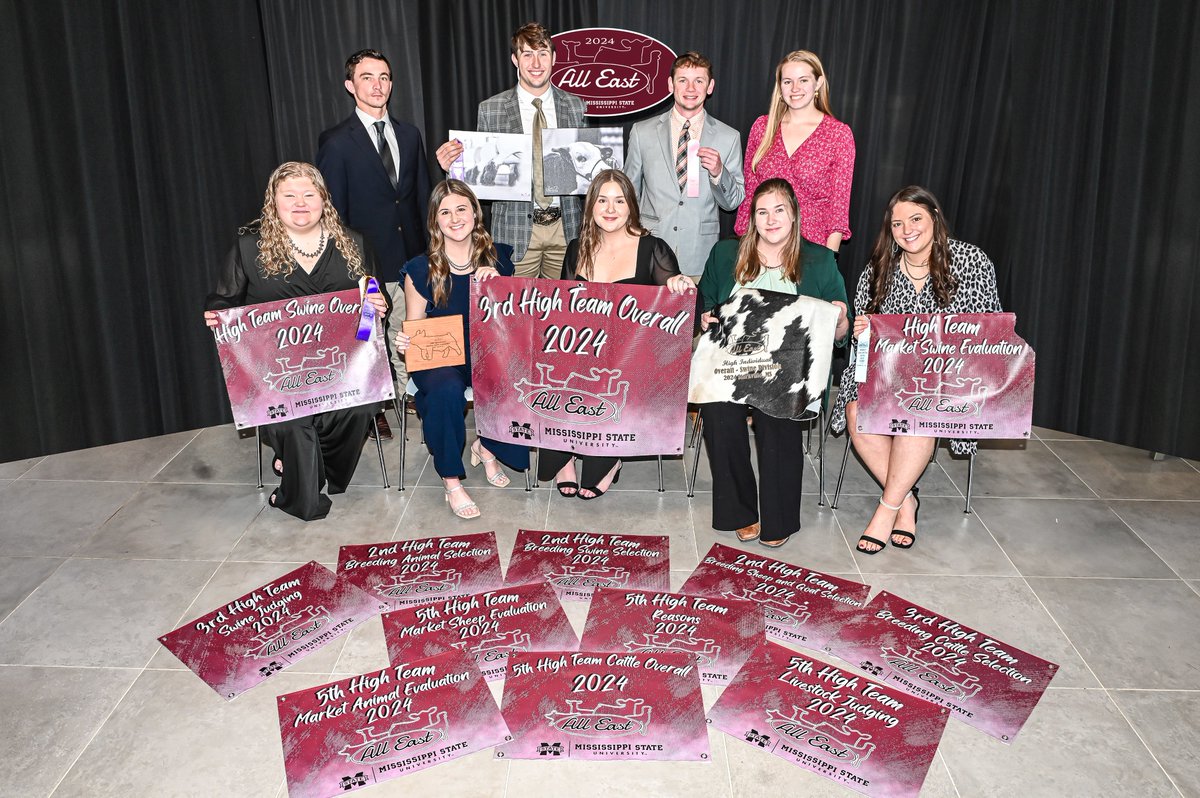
[
  {"x": 274, "y": 245},
  {"x": 779, "y": 107},
  {"x": 483, "y": 250},
  {"x": 589, "y": 231},
  {"x": 886, "y": 254},
  {"x": 748, "y": 265}
]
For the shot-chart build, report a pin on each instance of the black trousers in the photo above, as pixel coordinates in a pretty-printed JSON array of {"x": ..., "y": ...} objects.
[
  {"x": 592, "y": 469},
  {"x": 737, "y": 500},
  {"x": 315, "y": 450}
]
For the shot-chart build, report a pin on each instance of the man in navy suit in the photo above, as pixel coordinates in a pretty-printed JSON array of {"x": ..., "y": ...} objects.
[{"x": 374, "y": 166}]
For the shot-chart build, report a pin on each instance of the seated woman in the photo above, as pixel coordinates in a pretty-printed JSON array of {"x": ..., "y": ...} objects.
[
  {"x": 612, "y": 247},
  {"x": 915, "y": 267},
  {"x": 439, "y": 284},
  {"x": 298, "y": 247},
  {"x": 772, "y": 256}
]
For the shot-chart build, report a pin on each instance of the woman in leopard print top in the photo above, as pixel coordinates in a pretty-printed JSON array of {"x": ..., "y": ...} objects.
[{"x": 915, "y": 268}]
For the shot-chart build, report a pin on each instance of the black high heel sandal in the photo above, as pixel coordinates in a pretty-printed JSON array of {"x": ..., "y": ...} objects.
[
  {"x": 912, "y": 536},
  {"x": 596, "y": 492}
]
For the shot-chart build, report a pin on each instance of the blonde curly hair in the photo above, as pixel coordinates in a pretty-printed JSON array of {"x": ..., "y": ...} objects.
[{"x": 275, "y": 247}]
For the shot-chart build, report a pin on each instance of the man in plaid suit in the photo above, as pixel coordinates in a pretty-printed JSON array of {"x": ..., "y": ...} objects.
[{"x": 537, "y": 231}]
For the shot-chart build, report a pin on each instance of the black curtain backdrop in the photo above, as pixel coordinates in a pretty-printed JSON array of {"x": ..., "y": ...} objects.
[{"x": 1061, "y": 137}]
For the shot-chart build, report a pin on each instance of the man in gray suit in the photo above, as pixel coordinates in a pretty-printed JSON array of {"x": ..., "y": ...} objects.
[
  {"x": 656, "y": 163},
  {"x": 537, "y": 231}
]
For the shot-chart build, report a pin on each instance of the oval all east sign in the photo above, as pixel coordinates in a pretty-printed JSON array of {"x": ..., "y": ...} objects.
[{"x": 616, "y": 72}]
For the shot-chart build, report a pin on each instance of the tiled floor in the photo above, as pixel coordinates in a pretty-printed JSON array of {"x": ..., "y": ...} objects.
[{"x": 1080, "y": 551}]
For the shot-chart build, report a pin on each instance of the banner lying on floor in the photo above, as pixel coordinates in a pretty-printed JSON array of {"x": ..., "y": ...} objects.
[
  {"x": 298, "y": 357},
  {"x": 951, "y": 375},
  {"x": 719, "y": 632},
  {"x": 592, "y": 368},
  {"x": 874, "y": 739},
  {"x": 488, "y": 626},
  {"x": 986, "y": 683},
  {"x": 409, "y": 572},
  {"x": 801, "y": 606},
  {"x": 606, "y": 706},
  {"x": 239, "y": 645},
  {"x": 377, "y": 726},
  {"x": 576, "y": 563}
]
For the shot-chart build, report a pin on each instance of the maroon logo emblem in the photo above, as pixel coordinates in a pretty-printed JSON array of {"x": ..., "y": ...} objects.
[
  {"x": 591, "y": 398},
  {"x": 705, "y": 649},
  {"x": 621, "y": 717},
  {"x": 615, "y": 71},
  {"x": 434, "y": 581},
  {"x": 570, "y": 576},
  {"x": 419, "y": 728},
  {"x": 837, "y": 739},
  {"x": 327, "y": 367},
  {"x": 940, "y": 672}
]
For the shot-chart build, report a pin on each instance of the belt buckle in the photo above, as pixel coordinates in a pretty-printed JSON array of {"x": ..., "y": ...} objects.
[{"x": 545, "y": 216}]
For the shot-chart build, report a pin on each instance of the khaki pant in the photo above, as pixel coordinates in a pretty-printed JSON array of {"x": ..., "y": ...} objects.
[{"x": 547, "y": 248}]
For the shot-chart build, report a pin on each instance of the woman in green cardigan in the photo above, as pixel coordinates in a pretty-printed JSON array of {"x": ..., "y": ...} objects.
[{"x": 771, "y": 256}]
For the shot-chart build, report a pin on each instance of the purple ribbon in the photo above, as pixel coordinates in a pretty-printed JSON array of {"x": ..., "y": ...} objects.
[{"x": 366, "y": 324}]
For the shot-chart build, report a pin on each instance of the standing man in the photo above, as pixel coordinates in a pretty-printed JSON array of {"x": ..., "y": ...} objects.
[
  {"x": 656, "y": 162},
  {"x": 374, "y": 166},
  {"x": 537, "y": 231}
]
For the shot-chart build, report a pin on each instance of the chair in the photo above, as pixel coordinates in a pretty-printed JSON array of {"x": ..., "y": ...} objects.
[
  {"x": 410, "y": 393},
  {"x": 933, "y": 459},
  {"x": 378, "y": 447}
]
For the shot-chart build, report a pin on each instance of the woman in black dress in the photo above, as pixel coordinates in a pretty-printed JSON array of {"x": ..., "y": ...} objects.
[
  {"x": 612, "y": 247},
  {"x": 298, "y": 247}
]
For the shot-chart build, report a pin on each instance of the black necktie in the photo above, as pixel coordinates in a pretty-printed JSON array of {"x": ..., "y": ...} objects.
[{"x": 385, "y": 153}]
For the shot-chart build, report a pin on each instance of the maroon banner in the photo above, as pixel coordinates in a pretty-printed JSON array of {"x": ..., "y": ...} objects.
[
  {"x": 801, "y": 606},
  {"x": 235, "y": 647},
  {"x": 719, "y": 632},
  {"x": 615, "y": 71},
  {"x": 593, "y": 368},
  {"x": 298, "y": 357},
  {"x": 576, "y": 563},
  {"x": 360, "y": 731},
  {"x": 874, "y": 739},
  {"x": 488, "y": 626},
  {"x": 601, "y": 705},
  {"x": 953, "y": 375},
  {"x": 986, "y": 683},
  {"x": 410, "y": 572}
]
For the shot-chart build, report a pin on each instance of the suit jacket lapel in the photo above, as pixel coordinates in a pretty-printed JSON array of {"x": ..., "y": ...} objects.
[
  {"x": 512, "y": 112},
  {"x": 668, "y": 146}
]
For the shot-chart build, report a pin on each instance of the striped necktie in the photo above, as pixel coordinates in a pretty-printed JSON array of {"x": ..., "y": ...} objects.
[{"x": 681, "y": 153}]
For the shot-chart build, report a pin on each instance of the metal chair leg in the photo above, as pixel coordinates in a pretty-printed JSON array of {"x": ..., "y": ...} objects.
[
  {"x": 258, "y": 451},
  {"x": 696, "y": 457},
  {"x": 970, "y": 476},
  {"x": 403, "y": 399},
  {"x": 537, "y": 461},
  {"x": 527, "y": 486},
  {"x": 837, "y": 492},
  {"x": 820, "y": 456},
  {"x": 379, "y": 449},
  {"x": 661, "y": 489}
]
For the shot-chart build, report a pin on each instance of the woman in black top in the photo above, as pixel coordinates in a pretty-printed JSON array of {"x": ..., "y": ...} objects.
[
  {"x": 612, "y": 247},
  {"x": 298, "y": 247}
]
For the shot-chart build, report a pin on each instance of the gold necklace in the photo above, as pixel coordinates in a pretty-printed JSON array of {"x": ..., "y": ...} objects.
[{"x": 904, "y": 264}]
